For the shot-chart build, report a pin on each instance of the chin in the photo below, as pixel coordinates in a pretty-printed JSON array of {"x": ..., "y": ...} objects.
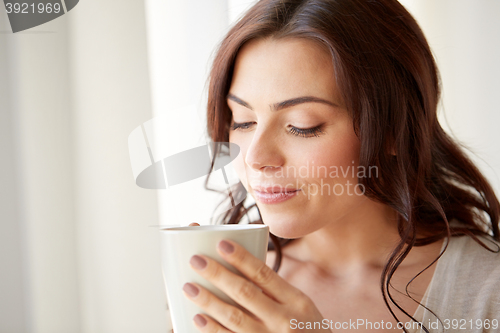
[{"x": 285, "y": 228}]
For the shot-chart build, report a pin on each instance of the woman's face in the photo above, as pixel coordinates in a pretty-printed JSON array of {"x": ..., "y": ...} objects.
[{"x": 294, "y": 133}]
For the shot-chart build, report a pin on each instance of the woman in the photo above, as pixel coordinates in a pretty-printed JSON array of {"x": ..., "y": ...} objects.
[{"x": 379, "y": 220}]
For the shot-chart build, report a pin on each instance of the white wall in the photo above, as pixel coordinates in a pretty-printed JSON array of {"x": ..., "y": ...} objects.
[
  {"x": 182, "y": 39},
  {"x": 465, "y": 38}
]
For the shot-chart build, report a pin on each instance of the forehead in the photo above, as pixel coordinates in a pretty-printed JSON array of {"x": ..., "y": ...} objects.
[{"x": 276, "y": 69}]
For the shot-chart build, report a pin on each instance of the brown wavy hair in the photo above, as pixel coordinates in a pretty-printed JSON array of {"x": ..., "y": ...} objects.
[{"x": 389, "y": 81}]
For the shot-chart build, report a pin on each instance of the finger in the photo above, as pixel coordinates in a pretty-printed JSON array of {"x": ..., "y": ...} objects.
[
  {"x": 194, "y": 224},
  {"x": 239, "y": 289},
  {"x": 222, "y": 313},
  {"x": 258, "y": 272},
  {"x": 206, "y": 324}
]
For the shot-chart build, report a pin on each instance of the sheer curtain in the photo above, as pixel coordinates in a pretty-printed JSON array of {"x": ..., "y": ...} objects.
[{"x": 77, "y": 254}]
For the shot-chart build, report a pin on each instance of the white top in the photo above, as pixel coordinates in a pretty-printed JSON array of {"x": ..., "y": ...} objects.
[{"x": 464, "y": 291}]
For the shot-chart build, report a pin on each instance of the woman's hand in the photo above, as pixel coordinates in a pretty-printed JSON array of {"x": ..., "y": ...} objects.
[{"x": 271, "y": 309}]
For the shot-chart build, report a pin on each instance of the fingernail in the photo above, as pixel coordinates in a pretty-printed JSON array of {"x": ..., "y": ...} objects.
[
  {"x": 190, "y": 289},
  {"x": 226, "y": 247},
  {"x": 199, "y": 320},
  {"x": 198, "y": 262}
]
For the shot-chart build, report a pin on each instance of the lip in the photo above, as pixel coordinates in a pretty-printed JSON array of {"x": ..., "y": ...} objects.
[
  {"x": 274, "y": 194},
  {"x": 274, "y": 189}
]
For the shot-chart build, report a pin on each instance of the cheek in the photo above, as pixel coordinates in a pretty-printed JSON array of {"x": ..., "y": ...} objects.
[
  {"x": 333, "y": 160},
  {"x": 344, "y": 153},
  {"x": 331, "y": 180}
]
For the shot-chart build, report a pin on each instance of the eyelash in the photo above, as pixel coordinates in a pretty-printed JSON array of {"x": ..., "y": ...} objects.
[{"x": 302, "y": 132}]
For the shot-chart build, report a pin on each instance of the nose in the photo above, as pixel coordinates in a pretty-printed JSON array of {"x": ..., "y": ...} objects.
[{"x": 264, "y": 153}]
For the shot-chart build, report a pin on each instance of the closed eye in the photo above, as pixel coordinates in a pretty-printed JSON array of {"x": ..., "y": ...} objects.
[
  {"x": 240, "y": 125},
  {"x": 302, "y": 132},
  {"x": 306, "y": 132}
]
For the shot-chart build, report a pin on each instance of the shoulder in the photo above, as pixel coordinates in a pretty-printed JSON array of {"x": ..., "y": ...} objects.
[
  {"x": 466, "y": 280},
  {"x": 466, "y": 262},
  {"x": 471, "y": 259}
]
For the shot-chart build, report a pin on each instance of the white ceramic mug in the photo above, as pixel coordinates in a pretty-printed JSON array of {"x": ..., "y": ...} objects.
[{"x": 179, "y": 244}]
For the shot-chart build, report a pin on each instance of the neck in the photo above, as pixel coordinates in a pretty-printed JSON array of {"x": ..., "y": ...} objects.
[{"x": 359, "y": 240}]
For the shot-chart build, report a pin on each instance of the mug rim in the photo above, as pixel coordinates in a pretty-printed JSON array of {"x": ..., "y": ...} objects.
[{"x": 220, "y": 227}]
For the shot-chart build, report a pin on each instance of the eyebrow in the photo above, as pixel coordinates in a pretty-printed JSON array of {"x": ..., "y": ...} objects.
[{"x": 284, "y": 104}]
